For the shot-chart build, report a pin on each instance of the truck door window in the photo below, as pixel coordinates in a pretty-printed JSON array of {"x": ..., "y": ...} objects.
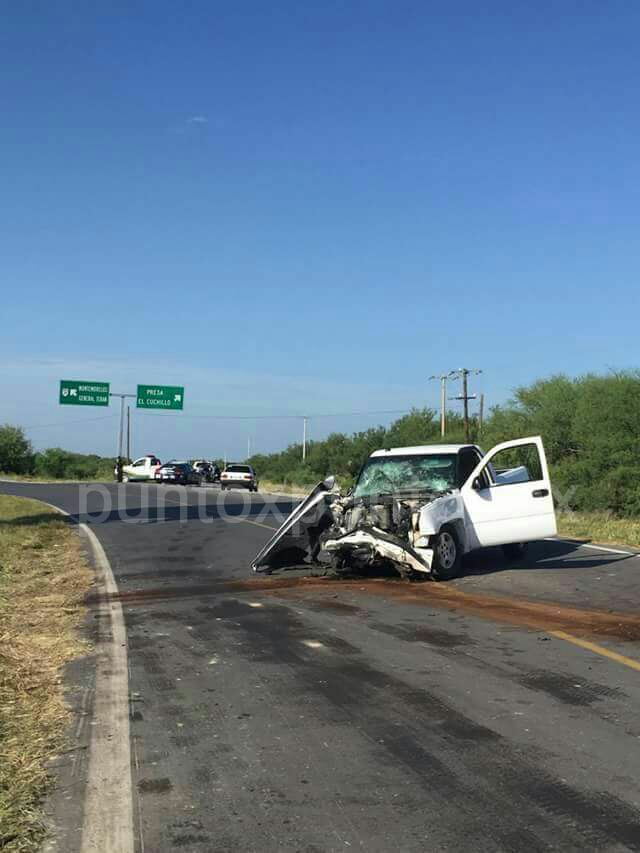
[{"x": 516, "y": 465}]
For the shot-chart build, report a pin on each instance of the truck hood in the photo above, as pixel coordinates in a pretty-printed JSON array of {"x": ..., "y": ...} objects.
[{"x": 297, "y": 540}]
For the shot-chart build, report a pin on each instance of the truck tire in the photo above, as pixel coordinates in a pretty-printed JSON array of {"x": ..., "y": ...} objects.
[{"x": 447, "y": 555}]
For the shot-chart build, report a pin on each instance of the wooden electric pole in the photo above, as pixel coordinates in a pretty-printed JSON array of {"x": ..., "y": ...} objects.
[
  {"x": 464, "y": 372},
  {"x": 305, "y": 420},
  {"x": 443, "y": 377},
  {"x": 128, "y": 433}
]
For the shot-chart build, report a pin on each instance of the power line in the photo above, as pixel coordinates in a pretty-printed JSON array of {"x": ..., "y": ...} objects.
[
  {"x": 141, "y": 414},
  {"x": 275, "y": 417},
  {"x": 70, "y": 423}
]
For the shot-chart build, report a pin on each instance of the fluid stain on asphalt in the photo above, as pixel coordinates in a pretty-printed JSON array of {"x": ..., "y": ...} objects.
[
  {"x": 519, "y": 612},
  {"x": 333, "y": 605},
  {"x": 423, "y": 634},
  {"x": 513, "y": 611}
]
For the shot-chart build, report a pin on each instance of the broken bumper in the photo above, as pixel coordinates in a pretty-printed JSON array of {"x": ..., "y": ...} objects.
[{"x": 379, "y": 544}]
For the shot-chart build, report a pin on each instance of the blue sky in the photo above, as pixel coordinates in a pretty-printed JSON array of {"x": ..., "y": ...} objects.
[{"x": 310, "y": 207}]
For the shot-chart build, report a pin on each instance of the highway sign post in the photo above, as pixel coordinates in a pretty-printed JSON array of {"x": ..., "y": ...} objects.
[
  {"x": 76, "y": 393},
  {"x": 162, "y": 397}
]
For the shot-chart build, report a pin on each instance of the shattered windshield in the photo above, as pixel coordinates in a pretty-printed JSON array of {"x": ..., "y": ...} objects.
[{"x": 390, "y": 474}]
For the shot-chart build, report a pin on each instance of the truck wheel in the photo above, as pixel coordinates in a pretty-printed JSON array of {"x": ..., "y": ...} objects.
[
  {"x": 339, "y": 566},
  {"x": 514, "y": 550},
  {"x": 446, "y": 556}
]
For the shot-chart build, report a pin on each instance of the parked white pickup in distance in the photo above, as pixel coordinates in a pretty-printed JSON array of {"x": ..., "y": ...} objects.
[{"x": 141, "y": 469}]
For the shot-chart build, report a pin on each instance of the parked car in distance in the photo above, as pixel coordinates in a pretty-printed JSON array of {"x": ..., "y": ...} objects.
[
  {"x": 208, "y": 470},
  {"x": 421, "y": 509},
  {"x": 239, "y": 476},
  {"x": 180, "y": 473},
  {"x": 141, "y": 469}
]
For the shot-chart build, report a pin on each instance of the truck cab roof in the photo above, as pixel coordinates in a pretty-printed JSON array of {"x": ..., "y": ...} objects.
[{"x": 424, "y": 450}]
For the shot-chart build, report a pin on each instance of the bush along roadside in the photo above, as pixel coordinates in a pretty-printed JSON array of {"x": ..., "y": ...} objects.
[
  {"x": 18, "y": 458},
  {"x": 43, "y": 581}
]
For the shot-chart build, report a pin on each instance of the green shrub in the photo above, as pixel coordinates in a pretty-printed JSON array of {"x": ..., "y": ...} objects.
[
  {"x": 590, "y": 426},
  {"x": 16, "y": 453}
]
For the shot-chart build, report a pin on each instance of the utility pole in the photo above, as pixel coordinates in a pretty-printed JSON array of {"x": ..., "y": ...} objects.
[
  {"x": 248, "y": 447},
  {"x": 304, "y": 437},
  {"x": 465, "y": 396},
  {"x": 481, "y": 415},
  {"x": 119, "y": 462},
  {"x": 443, "y": 397},
  {"x": 128, "y": 432},
  {"x": 120, "y": 438}
]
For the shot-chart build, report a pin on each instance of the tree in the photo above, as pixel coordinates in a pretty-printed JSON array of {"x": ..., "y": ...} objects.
[
  {"x": 590, "y": 426},
  {"x": 16, "y": 452},
  {"x": 418, "y": 427}
]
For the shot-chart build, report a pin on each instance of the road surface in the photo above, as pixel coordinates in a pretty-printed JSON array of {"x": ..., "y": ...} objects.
[{"x": 307, "y": 714}]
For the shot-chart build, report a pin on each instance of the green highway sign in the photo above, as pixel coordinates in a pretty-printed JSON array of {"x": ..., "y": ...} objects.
[
  {"x": 160, "y": 397},
  {"x": 75, "y": 393}
]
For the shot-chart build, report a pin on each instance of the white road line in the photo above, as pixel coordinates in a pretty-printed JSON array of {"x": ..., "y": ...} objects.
[
  {"x": 313, "y": 644},
  {"x": 260, "y": 524},
  {"x": 171, "y": 501},
  {"x": 586, "y": 545},
  {"x": 108, "y": 801}
]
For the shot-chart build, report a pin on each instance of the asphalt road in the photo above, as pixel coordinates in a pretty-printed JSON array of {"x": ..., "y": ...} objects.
[{"x": 306, "y": 714}]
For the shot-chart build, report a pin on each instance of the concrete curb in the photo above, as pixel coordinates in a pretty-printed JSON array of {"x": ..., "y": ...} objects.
[{"x": 108, "y": 802}]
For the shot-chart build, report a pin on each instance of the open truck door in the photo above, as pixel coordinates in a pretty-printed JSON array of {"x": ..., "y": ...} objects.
[{"x": 508, "y": 496}]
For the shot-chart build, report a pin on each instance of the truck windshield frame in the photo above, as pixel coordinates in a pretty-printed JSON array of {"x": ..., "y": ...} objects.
[{"x": 414, "y": 473}]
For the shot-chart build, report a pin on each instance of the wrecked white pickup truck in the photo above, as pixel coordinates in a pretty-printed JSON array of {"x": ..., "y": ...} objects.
[{"x": 420, "y": 509}]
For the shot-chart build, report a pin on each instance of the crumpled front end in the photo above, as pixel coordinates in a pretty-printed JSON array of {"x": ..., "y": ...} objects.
[
  {"x": 397, "y": 530},
  {"x": 354, "y": 534},
  {"x": 366, "y": 546}
]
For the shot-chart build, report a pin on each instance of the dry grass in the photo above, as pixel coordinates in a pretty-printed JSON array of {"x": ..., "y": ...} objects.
[
  {"x": 286, "y": 488},
  {"x": 600, "y": 527},
  {"x": 43, "y": 579},
  {"x": 31, "y": 478}
]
